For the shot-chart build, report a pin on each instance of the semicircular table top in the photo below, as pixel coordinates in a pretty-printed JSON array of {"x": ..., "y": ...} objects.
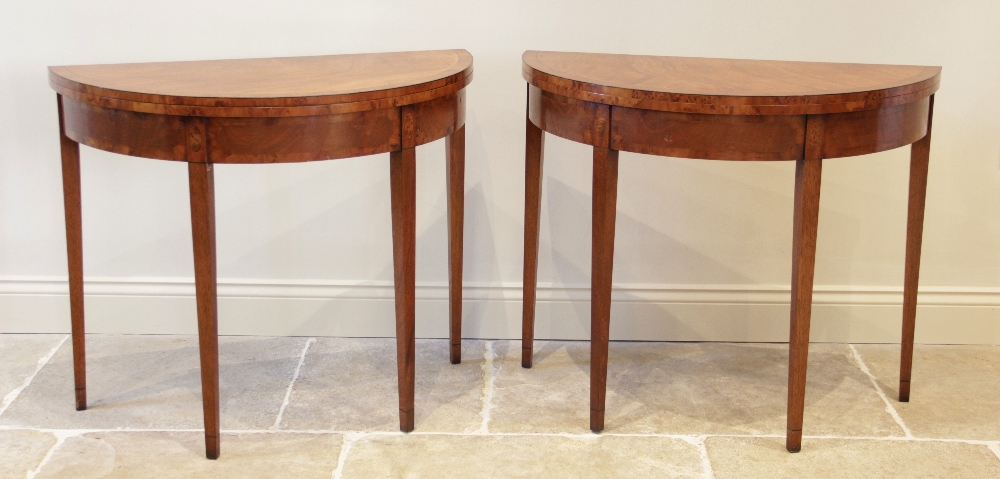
[
  {"x": 269, "y": 82},
  {"x": 727, "y": 86}
]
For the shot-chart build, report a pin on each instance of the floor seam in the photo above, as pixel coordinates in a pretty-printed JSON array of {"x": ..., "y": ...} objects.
[
  {"x": 995, "y": 447},
  {"x": 288, "y": 393},
  {"x": 60, "y": 439},
  {"x": 11, "y": 396},
  {"x": 345, "y": 449},
  {"x": 691, "y": 438},
  {"x": 489, "y": 382},
  {"x": 888, "y": 405},
  {"x": 706, "y": 462}
]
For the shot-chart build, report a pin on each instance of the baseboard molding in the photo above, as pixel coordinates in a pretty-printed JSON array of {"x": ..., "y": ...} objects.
[{"x": 656, "y": 312}]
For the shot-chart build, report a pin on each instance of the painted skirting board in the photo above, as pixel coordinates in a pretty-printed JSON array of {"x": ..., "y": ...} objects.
[{"x": 653, "y": 312}]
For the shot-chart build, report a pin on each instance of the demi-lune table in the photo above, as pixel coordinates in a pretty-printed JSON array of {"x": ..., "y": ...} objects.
[
  {"x": 271, "y": 110},
  {"x": 724, "y": 110}
]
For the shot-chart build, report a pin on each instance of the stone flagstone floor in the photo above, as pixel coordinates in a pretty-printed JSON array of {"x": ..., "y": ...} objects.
[{"x": 326, "y": 408}]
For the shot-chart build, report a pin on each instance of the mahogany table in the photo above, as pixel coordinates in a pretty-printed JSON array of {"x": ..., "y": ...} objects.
[
  {"x": 271, "y": 110},
  {"x": 724, "y": 110}
]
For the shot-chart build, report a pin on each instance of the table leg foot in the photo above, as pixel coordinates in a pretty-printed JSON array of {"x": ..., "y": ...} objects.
[
  {"x": 793, "y": 440},
  {"x": 596, "y": 421},
  {"x": 212, "y": 447},
  {"x": 406, "y": 420},
  {"x": 81, "y": 399}
]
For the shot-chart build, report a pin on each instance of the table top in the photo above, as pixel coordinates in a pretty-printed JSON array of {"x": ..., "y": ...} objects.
[
  {"x": 392, "y": 78},
  {"x": 726, "y": 86}
]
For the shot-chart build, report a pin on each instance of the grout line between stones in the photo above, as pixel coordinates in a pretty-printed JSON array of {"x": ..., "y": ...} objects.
[
  {"x": 11, "y": 396},
  {"x": 888, "y": 405},
  {"x": 489, "y": 381},
  {"x": 706, "y": 463},
  {"x": 61, "y": 437},
  {"x": 995, "y": 447},
  {"x": 288, "y": 393},
  {"x": 690, "y": 438},
  {"x": 345, "y": 449}
]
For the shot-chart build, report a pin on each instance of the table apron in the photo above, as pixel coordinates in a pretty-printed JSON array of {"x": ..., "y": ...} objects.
[
  {"x": 724, "y": 137},
  {"x": 264, "y": 139}
]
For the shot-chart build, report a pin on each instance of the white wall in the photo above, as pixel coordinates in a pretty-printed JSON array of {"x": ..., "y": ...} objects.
[{"x": 703, "y": 248}]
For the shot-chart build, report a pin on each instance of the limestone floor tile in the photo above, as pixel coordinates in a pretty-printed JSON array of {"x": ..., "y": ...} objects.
[
  {"x": 144, "y": 381},
  {"x": 21, "y": 353},
  {"x": 450, "y": 456},
  {"x": 351, "y": 384},
  {"x": 953, "y": 390},
  {"x": 686, "y": 388},
  {"x": 182, "y": 454},
  {"x": 828, "y": 458},
  {"x": 22, "y": 451}
]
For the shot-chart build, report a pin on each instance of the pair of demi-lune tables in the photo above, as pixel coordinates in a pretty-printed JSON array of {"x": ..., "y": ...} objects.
[{"x": 282, "y": 110}]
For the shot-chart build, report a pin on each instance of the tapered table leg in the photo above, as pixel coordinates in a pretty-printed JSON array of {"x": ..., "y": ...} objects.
[
  {"x": 201, "y": 181},
  {"x": 74, "y": 254},
  {"x": 403, "y": 180},
  {"x": 919, "y": 156},
  {"x": 605, "y": 196},
  {"x": 455, "y": 149},
  {"x": 807, "y": 182},
  {"x": 533, "y": 162}
]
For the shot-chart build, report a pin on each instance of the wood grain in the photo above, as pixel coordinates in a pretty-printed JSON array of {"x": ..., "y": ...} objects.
[
  {"x": 144, "y": 135},
  {"x": 534, "y": 149},
  {"x": 727, "y": 86},
  {"x": 303, "y": 138},
  {"x": 269, "y": 82},
  {"x": 709, "y": 137},
  {"x": 574, "y": 120},
  {"x": 70, "y": 152},
  {"x": 605, "y": 195},
  {"x": 806, "y": 219},
  {"x": 201, "y": 179},
  {"x": 455, "y": 170},
  {"x": 427, "y": 121},
  {"x": 264, "y": 112},
  {"x": 403, "y": 181},
  {"x": 920, "y": 154},
  {"x": 872, "y": 131}
]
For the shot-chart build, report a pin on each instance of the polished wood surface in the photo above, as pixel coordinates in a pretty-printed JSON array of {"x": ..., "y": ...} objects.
[
  {"x": 267, "y": 140},
  {"x": 575, "y": 120},
  {"x": 534, "y": 151},
  {"x": 605, "y": 200},
  {"x": 455, "y": 170},
  {"x": 201, "y": 182},
  {"x": 718, "y": 109},
  {"x": 805, "y": 222},
  {"x": 724, "y": 137},
  {"x": 270, "y": 111},
  {"x": 920, "y": 154},
  {"x": 403, "y": 180},
  {"x": 279, "y": 83},
  {"x": 713, "y": 137},
  {"x": 70, "y": 152},
  {"x": 725, "y": 86}
]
